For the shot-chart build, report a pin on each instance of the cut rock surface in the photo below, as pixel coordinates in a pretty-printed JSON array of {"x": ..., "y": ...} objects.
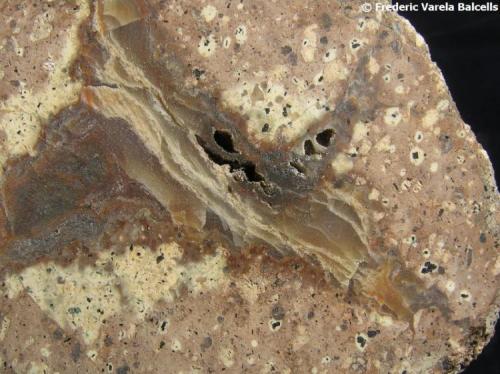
[{"x": 254, "y": 186}]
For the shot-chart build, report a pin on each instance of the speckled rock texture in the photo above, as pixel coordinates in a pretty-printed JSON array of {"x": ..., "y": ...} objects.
[{"x": 238, "y": 186}]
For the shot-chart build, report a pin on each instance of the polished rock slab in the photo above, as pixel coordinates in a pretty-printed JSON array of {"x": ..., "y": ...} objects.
[{"x": 260, "y": 186}]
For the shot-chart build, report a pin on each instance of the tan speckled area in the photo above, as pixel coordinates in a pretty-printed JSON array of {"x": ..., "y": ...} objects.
[{"x": 237, "y": 186}]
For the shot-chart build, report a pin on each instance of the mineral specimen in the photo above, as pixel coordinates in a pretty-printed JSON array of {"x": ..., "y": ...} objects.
[{"x": 248, "y": 186}]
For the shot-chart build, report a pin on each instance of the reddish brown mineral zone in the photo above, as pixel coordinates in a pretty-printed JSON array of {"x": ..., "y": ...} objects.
[{"x": 239, "y": 186}]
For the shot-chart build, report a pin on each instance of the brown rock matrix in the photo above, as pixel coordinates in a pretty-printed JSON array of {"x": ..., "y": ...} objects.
[{"x": 239, "y": 186}]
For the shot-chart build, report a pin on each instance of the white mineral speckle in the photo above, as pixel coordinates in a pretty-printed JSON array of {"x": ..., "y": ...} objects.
[
  {"x": 209, "y": 12},
  {"x": 361, "y": 341},
  {"x": 45, "y": 352},
  {"x": 207, "y": 46},
  {"x": 309, "y": 43},
  {"x": 374, "y": 194},
  {"x": 465, "y": 295},
  {"x": 430, "y": 118},
  {"x": 275, "y": 325},
  {"x": 176, "y": 345},
  {"x": 92, "y": 354},
  {"x": 450, "y": 286},
  {"x": 318, "y": 78},
  {"x": 443, "y": 105},
  {"x": 342, "y": 163},
  {"x": 226, "y": 355},
  {"x": 392, "y": 116},
  {"x": 373, "y": 66},
  {"x": 330, "y": 55},
  {"x": 417, "y": 156},
  {"x": 335, "y": 71},
  {"x": 419, "y": 136},
  {"x": 4, "y": 325},
  {"x": 241, "y": 34}
]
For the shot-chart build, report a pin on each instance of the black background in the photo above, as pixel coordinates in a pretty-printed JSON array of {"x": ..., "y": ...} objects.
[{"x": 466, "y": 47}]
